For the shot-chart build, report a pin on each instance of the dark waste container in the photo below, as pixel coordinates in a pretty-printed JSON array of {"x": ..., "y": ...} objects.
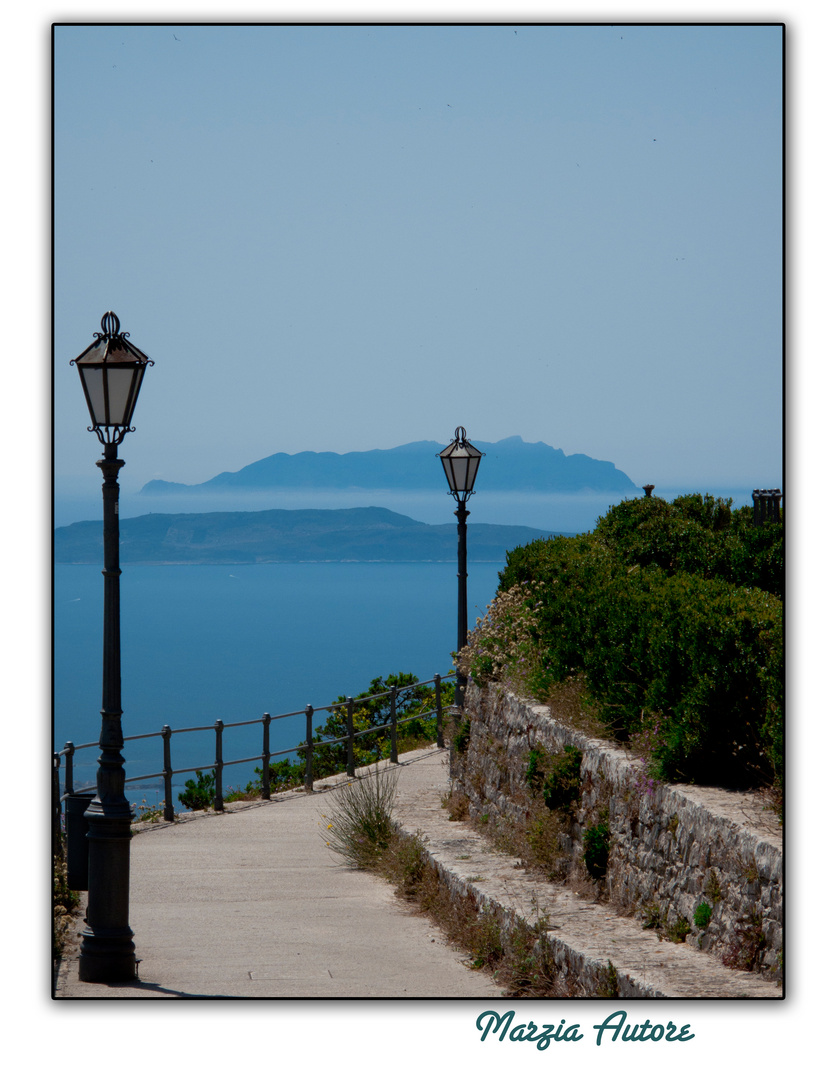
[{"x": 77, "y": 844}]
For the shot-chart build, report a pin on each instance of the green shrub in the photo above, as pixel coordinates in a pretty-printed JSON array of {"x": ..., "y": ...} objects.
[
  {"x": 679, "y": 930},
  {"x": 562, "y": 785},
  {"x": 672, "y": 613},
  {"x": 696, "y": 534},
  {"x": 200, "y": 793},
  {"x": 685, "y": 535},
  {"x": 371, "y": 747},
  {"x": 283, "y": 773},
  {"x": 712, "y": 669},
  {"x": 597, "y": 849},
  {"x": 462, "y": 738},
  {"x": 702, "y": 916},
  {"x": 557, "y": 777}
]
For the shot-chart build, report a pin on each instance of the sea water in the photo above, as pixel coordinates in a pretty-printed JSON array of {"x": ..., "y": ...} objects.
[{"x": 201, "y": 643}]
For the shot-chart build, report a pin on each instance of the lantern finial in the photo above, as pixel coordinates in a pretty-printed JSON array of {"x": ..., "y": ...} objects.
[{"x": 110, "y": 324}]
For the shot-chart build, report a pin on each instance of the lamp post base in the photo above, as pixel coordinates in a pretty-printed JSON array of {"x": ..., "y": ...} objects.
[
  {"x": 107, "y": 942},
  {"x": 106, "y": 959}
]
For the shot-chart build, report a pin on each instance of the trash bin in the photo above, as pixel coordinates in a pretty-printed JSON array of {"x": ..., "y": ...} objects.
[{"x": 77, "y": 844}]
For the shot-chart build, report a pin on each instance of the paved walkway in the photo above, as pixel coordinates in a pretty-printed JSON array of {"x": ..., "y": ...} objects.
[{"x": 252, "y": 903}]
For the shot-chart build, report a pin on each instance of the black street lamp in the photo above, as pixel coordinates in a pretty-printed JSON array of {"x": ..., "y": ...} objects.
[
  {"x": 461, "y": 461},
  {"x": 111, "y": 371}
]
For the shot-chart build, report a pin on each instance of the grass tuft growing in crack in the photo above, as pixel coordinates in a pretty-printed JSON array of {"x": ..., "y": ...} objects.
[{"x": 358, "y": 824}]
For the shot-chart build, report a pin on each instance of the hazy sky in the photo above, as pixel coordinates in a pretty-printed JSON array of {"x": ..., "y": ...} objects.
[{"x": 349, "y": 237}]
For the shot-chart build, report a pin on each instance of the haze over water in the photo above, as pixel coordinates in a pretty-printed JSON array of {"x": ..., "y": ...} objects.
[{"x": 555, "y": 512}]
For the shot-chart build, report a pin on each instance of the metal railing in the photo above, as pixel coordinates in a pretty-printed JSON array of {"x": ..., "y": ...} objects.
[
  {"x": 766, "y": 505},
  {"x": 308, "y": 746}
]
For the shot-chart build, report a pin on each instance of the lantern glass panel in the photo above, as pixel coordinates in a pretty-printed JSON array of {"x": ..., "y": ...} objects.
[
  {"x": 461, "y": 461},
  {"x": 123, "y": 384},
  {"x": 459, "y": 465},
  {"x": 92, "y": 379},
  {"x": 449, "y": 473},
  {"x": 111, "y": 392}
]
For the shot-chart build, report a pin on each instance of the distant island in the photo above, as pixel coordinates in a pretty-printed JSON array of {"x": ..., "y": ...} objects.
[
  {"x": 509, "y": 465},
  {"x": 365, "y": 534}
]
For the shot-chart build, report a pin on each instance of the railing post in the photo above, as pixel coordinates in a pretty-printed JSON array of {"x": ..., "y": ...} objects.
[
  {"x": 69, "y": 750},
  {"x": 266, "y": 757},
  {"x": 350, "y": 741},
  {"x": 219, "y": 765},
  {"x": 393, "y": 736},
  {"x": 168, "y": 809},
  {"x": 440, "y": 738},
  {"x": 757, "y": 507},
  {"x": 309, "y": 748}
]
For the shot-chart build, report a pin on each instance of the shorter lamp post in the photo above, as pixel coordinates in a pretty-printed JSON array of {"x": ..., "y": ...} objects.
[
  {"x": 111, "y": 371},
  {"x": 460, "y": 461}
]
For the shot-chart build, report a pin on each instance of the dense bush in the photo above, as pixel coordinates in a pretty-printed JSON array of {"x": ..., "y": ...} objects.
[
  {"x": 597, "y": 849},
  {"x": 696, "y": 534},
  {"x": 557, "y": 777},
  {"x": 673, "y": 613},
  {"x": 409, "y": 700},
  {"x": 199, "y": 794}
]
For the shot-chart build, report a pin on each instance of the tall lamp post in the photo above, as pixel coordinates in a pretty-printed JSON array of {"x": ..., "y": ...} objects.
[
  {"x": 111, "y": 371},
  {"x": 460, "y": 461}
]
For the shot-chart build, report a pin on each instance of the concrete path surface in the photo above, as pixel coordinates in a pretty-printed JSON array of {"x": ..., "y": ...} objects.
[{"x": 251, "y": 903}]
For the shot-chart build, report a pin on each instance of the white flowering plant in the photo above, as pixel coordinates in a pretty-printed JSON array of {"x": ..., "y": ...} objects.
[{"x": 503, "y": 646}]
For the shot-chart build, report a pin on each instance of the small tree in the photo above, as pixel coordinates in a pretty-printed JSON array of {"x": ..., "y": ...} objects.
[{"x": 410, "y": 700}]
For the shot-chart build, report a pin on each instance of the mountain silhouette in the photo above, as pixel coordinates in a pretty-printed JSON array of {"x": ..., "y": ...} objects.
[
  {"x": 364, "y": 534},
  {"x": 509, "y": 465}
]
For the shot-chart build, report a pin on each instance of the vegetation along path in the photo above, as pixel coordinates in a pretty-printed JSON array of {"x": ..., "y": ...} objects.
[{"x": 251, "y": 902}]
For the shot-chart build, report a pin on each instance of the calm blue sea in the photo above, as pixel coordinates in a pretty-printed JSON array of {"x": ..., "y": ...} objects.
[
  {"x": 234, "y": 642},
  {"x": 201, "y": 643}
]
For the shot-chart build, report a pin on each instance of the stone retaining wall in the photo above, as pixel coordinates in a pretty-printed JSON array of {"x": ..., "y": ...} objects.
[{"x": 672, "y": 847}]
